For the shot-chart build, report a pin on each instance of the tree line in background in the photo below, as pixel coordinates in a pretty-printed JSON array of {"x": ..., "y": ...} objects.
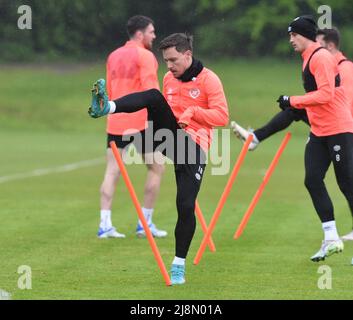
[{"x": 87, "y": 29}]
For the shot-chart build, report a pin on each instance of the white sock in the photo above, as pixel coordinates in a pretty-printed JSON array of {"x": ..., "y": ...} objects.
[
  {"x": 330, "y": 230},
  {"x": 179, "y": 261},
  {"x": 255, "y": 139},
  {"x": 112, "y": 106},
  {"x": 106, "y": 222},
  {"x": 148, "y": 216}
]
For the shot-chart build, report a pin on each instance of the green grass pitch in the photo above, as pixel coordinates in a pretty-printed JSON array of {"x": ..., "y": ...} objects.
[{"x": 49, "y": 222}]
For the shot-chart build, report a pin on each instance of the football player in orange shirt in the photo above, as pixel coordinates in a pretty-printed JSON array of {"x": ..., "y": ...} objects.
[
  {"x": 192, "y": 104},
  {"x": 131, "y": 68},
  {"x": 326, "y": 108}
]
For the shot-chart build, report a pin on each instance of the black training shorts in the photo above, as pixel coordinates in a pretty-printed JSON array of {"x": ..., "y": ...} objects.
[{"x": 122, "y": 141}]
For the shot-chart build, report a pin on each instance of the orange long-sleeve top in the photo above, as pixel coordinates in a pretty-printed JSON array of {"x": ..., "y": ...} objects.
[
  {"x": 326, "y": 107},
  {"x": 130, "y": 68},
  {"x": 200, "y": 103},
  {"x": 345, "y": 69}
]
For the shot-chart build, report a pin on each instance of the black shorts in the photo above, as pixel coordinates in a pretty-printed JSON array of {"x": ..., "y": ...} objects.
[
  {"x": 137, "y": 139},
  {"x": 192, "y": 165}
]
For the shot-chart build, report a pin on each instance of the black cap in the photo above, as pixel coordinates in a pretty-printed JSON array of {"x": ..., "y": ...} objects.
[{"x": 305, "y": 26}]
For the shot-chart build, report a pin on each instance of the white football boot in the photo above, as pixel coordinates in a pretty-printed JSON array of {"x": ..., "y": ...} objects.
[
  {"x": 140, "y": 232},
  {"x": 109, "y": 233},
  {"x": 328, "y": 248},
  {"x": 243, "y": 135}
]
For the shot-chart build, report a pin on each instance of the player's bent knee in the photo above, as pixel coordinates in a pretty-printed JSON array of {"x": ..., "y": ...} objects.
[
  {"x": 312, "y": 182},
  {"x": 158, "y": 169},
  {"x": 154, "y": 96},
  {"x": 185, "y": 207}
]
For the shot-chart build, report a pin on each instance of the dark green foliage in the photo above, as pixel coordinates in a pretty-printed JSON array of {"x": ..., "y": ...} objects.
[{"x": 87, "y": 29}]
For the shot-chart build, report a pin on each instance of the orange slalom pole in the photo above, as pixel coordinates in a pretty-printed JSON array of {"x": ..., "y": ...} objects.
[
  {"x": 204, "y": 225},
  {"x": 258, "y": 194},
  {"x": 140, "y": 213},
  {"x": 223, "y": 199}
]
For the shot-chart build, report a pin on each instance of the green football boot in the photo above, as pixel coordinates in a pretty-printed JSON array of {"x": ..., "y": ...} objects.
[
  {"x": 177, "y": 274},
  {"x": 100, "y": 103}
]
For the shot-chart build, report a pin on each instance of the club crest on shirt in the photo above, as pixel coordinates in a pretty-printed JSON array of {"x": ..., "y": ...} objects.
[{"x": 194, "y": 93}]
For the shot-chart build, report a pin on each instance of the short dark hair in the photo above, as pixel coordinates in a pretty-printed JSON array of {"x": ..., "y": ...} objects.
[
  {"x": 137, "y": 23},
  {"x": 181, "y": 41},
  {"x": 331, "y": 35}
]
